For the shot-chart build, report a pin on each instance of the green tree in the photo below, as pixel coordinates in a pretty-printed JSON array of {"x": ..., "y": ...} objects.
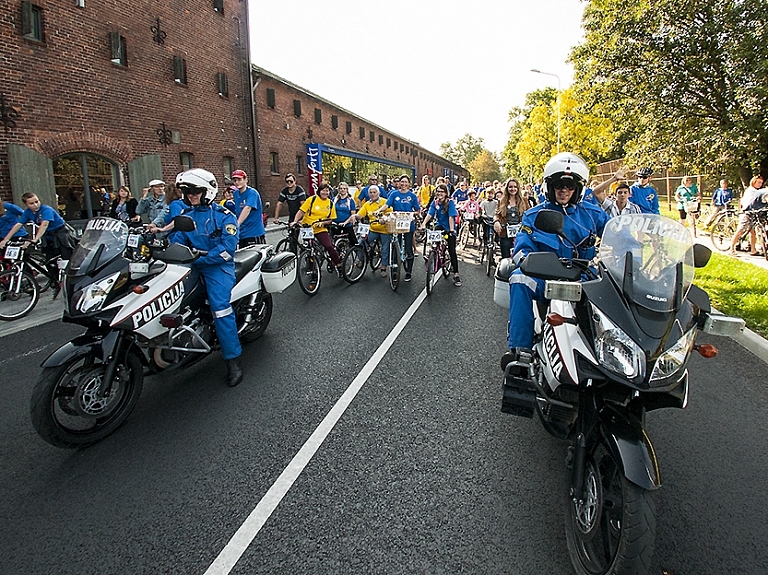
[
  {"x": 463, "y": 151},
  {"x": 518, "y": 118},
  {"x": 685, "y": 81},
  {"x": 484, "y": 166}
]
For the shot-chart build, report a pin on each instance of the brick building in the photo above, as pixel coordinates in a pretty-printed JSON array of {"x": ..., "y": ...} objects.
[
  {"x": 293, "y": 124},
  {"x": 101, "y": 93}
]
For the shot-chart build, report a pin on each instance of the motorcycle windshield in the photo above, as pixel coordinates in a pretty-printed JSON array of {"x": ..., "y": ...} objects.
[
  {"x": 103, "y": 240},
  {"x": 660, "y": 261}
]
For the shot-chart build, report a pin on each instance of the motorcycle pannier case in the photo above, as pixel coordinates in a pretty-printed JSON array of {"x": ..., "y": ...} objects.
[
  {"x": 279, "y": 272},
  {"x": 501, "y": 282}
]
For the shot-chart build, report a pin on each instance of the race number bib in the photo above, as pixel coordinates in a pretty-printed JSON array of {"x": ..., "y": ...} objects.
[
  {"x": 363, "y": 229},
  {"x": 306, "y": 233},
  {"x": 434, "y": 236},
  {"x": 512, "y": 230},
  {"x": 403, "y": 225},
  {"x": 133, "y": 241},
  {"x": 12, "y": 252}
]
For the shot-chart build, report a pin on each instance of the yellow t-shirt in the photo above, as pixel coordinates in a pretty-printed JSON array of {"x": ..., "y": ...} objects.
[
  {"x": 425, "y": 192},
  {"x": 367, "y": 210},
  {"x": 317, "y": 209}
]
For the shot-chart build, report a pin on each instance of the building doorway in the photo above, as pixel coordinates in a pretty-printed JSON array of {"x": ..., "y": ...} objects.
[{"x": 85, "y": 185}]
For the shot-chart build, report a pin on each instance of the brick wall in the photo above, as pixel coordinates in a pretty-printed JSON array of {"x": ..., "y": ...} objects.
[{"x": 71, "y": 97}]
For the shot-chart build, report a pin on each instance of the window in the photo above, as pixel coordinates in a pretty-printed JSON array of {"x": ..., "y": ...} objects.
[
  {"x": 271, "y": 98},
  {"x": 31, "y": 21},
  {"x": 299, "y": 164},
  {"x": 318, "y": 116},
  {"x": 395, "y": 146},
  {"x": 349, "y": 127},
  {"x": 362, "y": 133},
  {"x": 179, "y": 70},
  {"x": 273, "y": 165},
  {"x": 186, "y": 160},
  {"x": 407, "y": 149},
  {"x": 381, "y": 140},
  {"x": 218, "y": 6},
  {"x": 297, "y": 108},
  {"x": 229, "y": 165},
  {"x": 223, "y": 84},
  {"x": 334, "y": 122},
  {"x": 118, "y": 52},
  {"x": 401, "y": 146},
  {"x": 389, "y": 143},
  {"x": 371, "y": 136}
]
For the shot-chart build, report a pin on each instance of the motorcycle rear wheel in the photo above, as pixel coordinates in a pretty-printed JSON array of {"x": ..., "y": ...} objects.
[
  {"x": 66, "y": 412},
  {"x": 612, "y": 532},
  {"x": 259, "y": 323}
]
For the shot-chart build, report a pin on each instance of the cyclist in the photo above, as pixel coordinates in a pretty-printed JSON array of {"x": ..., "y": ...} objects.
[
  {"x": 509, "y": 212},
  {"x": 686, "y": 193},
  {"x": 378, "y": 231},
  {"x": 754, "y": 193},
  {"x": 9, "y": 215},
  {"x": 345, "y": 212},
  {"x": 720, "y": 200},
  {"x": 318, "y": 211},
  {"x": 405, "y": 200},
  {"x": 643, "y": 194},
  {"x": 564, "y": 178},
  {"x": 443, "y": 211}
]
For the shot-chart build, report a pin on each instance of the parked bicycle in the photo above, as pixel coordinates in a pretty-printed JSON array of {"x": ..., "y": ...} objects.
[{"x": 26, "y": 274}]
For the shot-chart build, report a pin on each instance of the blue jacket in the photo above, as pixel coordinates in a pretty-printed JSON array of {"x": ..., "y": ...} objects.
[
  {"x": 216, "y": 232},
  {"x": 583, "y": 223}
]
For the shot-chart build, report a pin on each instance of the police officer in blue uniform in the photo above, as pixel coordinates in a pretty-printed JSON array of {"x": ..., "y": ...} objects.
[
  {"x": 564, "y": 178},
  {"x": 217, "y": 233}
]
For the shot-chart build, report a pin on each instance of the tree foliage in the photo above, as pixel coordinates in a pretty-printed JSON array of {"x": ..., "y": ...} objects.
[
  {"x": 484, "y": 167},
  {"x": 684, "y": 81},
  {"x": 463, "y": 151}
]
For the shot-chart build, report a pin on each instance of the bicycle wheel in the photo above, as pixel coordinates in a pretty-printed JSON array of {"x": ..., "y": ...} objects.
[
  {"x": 722, "y": 232},
  {"x": 353, "y": 264},
  {"x": 283, "y": 245},
  {"x": 395, "y": 265},
  {"x": 489, "y": 259},
  {"x": 308, "y": 272},
  {"x": 447, "y": 266},
  {"x": 18, "y": 294},
  {"x": 431, "y": 269},
  {"x": 374, "y": 256},
  {"x": 463, "y": 238},
  {"x": 342, "y": 246},
  {"x": 38, "y": 269}
]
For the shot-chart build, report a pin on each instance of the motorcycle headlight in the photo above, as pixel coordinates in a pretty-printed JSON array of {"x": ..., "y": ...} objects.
[
  {"x": 674, "y": 358},
  {"x": 614, "y": 349},
  {"x": 94, "y": 296}
]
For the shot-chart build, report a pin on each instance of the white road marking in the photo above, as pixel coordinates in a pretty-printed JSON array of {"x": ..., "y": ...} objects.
[{"x": 247, "y": 532}]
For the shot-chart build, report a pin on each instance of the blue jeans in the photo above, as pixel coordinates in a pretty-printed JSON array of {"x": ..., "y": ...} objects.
[{"x": 384, "y": 239}]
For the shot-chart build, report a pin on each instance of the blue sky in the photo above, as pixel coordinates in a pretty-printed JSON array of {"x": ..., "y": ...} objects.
[{"x": 453, "y": 67}]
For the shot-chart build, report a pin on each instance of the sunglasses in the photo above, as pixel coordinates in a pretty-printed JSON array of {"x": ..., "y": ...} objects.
[
  {"x": 288, "y": 181},
  {"x": 565, "y": 186}
]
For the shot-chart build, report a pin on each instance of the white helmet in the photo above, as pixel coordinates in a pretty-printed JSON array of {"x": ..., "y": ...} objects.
[
  {"x": 198, "y": 180},
  {"x": 566, "y": 166}
]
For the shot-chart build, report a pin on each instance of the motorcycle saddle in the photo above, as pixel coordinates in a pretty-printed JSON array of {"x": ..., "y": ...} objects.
[{"x": 245, "y": 259}]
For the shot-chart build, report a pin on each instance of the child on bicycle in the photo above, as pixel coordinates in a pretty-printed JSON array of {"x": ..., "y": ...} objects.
[{"x": 443, "y": 211}]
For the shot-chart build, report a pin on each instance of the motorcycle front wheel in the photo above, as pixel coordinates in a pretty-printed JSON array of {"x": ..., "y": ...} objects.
[
  {"x": 611, "y": 529},
  {"x": 66, "y": 410}
]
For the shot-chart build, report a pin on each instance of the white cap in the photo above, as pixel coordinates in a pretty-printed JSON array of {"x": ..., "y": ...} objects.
[{"x": 157, "y": 183}]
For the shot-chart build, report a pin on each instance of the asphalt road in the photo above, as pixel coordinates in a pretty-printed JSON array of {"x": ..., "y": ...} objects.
[{"x": 421, "y": 474}]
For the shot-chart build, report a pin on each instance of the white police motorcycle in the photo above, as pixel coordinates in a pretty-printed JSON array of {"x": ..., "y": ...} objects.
[
  {"x": 141, "y": 315},
  {"x": 611, "y": 343}
]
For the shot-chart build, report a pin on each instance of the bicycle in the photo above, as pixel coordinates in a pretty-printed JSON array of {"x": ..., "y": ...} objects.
[
  {"x": 468, "y": 228},
  {"x": 487, "y": 254},
  {"x": 723, "y": 228},
  {"x": 398, "y": 224},
  {"x": 361, "y": 255},
  {"x": 19, "y": 287},
  {"x": 437, "y": 259},
  {"x": 312, "y": 257}
]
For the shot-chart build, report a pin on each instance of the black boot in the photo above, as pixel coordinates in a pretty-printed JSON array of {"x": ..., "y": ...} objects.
[{"x": 234, "y": 372}]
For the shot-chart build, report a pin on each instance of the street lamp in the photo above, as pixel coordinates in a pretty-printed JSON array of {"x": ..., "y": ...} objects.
[{"x": 558, "y": 102}]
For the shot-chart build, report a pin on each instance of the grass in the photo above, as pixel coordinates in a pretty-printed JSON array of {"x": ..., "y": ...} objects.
[{"x": 737, "y": 288}]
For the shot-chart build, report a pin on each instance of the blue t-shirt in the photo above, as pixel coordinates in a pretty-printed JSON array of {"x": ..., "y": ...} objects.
[
  {"x": 460, "y": 195},
  {"x": 589, "y": 196},
  {"x": 363, "y": 197},
  {"x": 645, "y": 197},
  {"x": 9, "y": 219},
  {"x": 344, "y": 208},
  {"x": 436, "y": 211},
  {"x": 404, "y": 202},
  {"x": 722, "y": 196},
  {"x": 253, "y": 226},
  {"x": 44, "y": 214}
]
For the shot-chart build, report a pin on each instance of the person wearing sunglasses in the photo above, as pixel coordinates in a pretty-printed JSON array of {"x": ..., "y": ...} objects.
[
  {"x": 564, "y": 178},
  {"x": 643, "y": 194},
  {"x": 293, "y": 195}
]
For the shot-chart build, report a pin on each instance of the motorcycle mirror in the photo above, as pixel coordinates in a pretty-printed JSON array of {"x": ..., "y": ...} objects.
[
  {"x": 183, "y": 224},
  {"x": 550, "y": 221},
  {"x": 701, "y": 255}
]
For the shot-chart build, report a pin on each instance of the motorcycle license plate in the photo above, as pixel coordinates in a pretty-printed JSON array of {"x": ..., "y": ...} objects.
[
  {"x": 12, "y": 252},
  {"x": 133, "y": 241},
  {"x": 306, "y": 233},
  {"x": 512, "y": 230},
  {"x": 403, "y": 226},
  {"x": 363, "y": 229},
  {"x": 434, "y": 236},
  {"x": 139, "y": 268}
]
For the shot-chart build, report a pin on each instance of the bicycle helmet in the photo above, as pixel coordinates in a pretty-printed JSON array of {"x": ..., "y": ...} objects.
[
  {"x": 644, "y": 172},
  {"x": 565, "y": 166},
  {"x": 198, "y": 180}
]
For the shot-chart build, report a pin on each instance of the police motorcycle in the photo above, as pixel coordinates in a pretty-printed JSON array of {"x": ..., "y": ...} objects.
[
  {"x": 133, "y": 295},
  {"x": 611, "y": 343}
]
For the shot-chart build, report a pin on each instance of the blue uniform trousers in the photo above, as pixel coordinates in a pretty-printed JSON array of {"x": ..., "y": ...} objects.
[
  {"x": 523, "y": 290},
  {"x": 219, "y": 281}
]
